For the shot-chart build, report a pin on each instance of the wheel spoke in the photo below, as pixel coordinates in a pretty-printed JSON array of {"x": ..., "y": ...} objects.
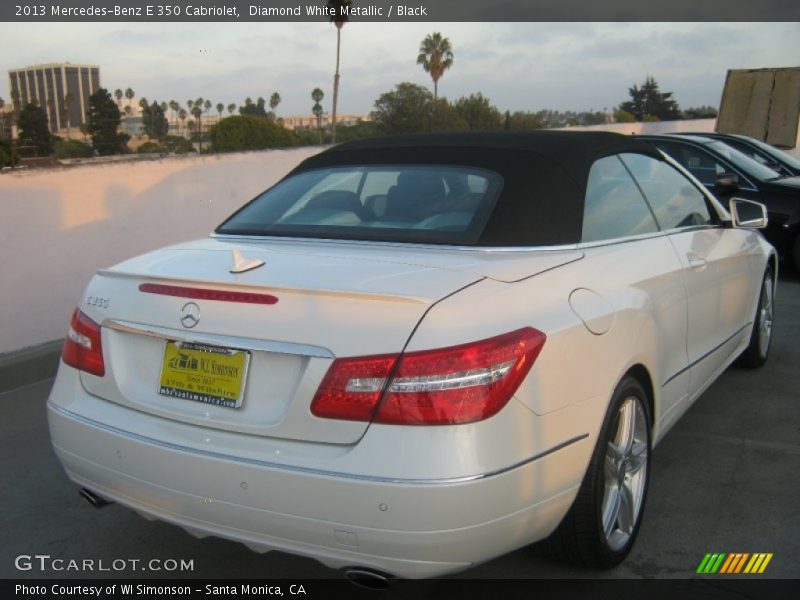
[
  {"x": 612, "y": 462},
  {"x": 625, "y": 515},
  {"x": 627, "y": 418},
  {"x": 637, "y": 458},
  {"x": 611, "y": 511}
]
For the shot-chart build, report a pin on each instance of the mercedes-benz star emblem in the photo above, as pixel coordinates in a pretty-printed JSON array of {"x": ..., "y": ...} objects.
[{"x": 190, "y": 315}]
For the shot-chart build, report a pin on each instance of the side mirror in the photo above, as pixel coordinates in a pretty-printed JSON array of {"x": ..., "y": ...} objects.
[
  {"x": 727, "y": 182},
  {"x": 746, "y": 214}
]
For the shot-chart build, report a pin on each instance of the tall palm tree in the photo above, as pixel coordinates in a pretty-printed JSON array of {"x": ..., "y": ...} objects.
[
  {"x": 435, "y": 56},
  {"x": 175, "y": 107},
  {"x": 207, "y": 105},
  {"x": 129, "y": 94},
  {"x": 220, "y": 107},
  {"x": 339, "y": 18},
  {"x": 118, "y": 95},
  {"x": 274, "y": 100},
  {"x": 182, "y": 114},
  {"x": 231, "y": 107}
]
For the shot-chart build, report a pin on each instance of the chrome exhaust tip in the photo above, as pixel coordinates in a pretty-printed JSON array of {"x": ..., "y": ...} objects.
[
  {"x": 368, "y": 579},
  {"x": 93, "y": 498}
]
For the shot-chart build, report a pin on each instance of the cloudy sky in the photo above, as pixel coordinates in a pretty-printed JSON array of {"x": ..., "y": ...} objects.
[{"x": 520, "y": 66}]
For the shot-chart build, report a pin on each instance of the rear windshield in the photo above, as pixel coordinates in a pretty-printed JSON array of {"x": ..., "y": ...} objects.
[{"x": 406, "y": 203}]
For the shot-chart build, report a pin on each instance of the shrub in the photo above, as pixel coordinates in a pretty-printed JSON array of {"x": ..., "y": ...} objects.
[
  {"x": 246, "y": 132},
  {"x": 66, "y": 148}
]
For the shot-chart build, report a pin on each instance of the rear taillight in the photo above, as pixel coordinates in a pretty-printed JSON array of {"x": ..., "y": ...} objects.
[
  {"x": 82, "y": 348},
  {"x": 460, "y": 384}
]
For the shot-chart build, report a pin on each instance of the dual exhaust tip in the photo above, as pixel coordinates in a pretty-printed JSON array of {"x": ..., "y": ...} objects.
[{"x": 363, "y": 577}]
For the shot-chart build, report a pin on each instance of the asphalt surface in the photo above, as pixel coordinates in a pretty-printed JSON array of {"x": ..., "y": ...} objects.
[{"x": 725, "y": 479}]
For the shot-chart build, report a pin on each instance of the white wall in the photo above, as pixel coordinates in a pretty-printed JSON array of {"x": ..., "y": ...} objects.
[{"x": 58, "y": 226}]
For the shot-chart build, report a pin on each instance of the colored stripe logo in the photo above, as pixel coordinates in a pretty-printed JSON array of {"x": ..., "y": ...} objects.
[{"x": 734, "y": 563}]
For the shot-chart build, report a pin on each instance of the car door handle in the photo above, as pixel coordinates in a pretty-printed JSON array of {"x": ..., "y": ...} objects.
[{"x": 696, "y": 261}]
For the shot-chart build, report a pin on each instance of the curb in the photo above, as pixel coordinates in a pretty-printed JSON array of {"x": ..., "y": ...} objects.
[{"x": 29, "y": 365}]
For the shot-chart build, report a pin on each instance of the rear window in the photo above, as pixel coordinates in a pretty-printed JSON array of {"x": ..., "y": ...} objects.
[{"x": 406, "y": 203}]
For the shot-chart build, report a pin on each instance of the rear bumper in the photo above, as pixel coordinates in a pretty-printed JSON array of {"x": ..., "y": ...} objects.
[{"x": 406, "y": 529}]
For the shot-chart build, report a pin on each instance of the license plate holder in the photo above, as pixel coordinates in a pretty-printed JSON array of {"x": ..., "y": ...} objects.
[{"x": 204, "y": 373}]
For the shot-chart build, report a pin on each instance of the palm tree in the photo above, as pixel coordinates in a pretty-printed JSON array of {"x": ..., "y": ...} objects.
[
  {"x": 231, "y": 107},
  {"x": 118, "y": 96},
  {"x": 175, "y": 107},
  {"x": 182, "y": 114},
  {"x": 435, "y": 56},
  {"x": 207, "y": 105},
  {"x": 317, "y": 95},
  {"x": 129, "y": 94},
  {"x": 339, "y": 12},
  {"x": 274, "y": 100},
  {"x": 197, "y": 113},
  {"x": 220, "y": 107}
]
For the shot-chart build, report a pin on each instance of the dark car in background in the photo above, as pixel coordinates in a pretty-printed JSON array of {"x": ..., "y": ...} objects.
[
  {"x": 727, "y": 172},
  {"x": 767, "y": 155}
]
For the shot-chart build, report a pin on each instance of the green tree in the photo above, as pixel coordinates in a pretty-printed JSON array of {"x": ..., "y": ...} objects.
[
  {"x": 478, "y": 113},
  {"x": 129, "y": 94},
  {"x": 34, "y": 135},
  {"x": 220, "y": 107},
  {"x": 253, "y": 110},
  {"x": 231, "y": 107},
  {"x": 182, "y": 114},
  {"x": 405, "y": 109},
  {"x": 649, "y": 100},
  {"x": 154, "y": 121},
  {"x": 246, "y": 132},
  {"x": 102, "y": 124},
  {"x": 207, "y": 105},
  {"x": 444, "y": 117},
  {"x": 623, "y": 116},
  {"x": 274, "y": 101},
  {"x": 339, "y": 16},
  {"x": 174, "y": 107},
  {"x": 118, "y": 95},
  {"x": 436, "y": 57},
  {"x": 522, "y": 121}
]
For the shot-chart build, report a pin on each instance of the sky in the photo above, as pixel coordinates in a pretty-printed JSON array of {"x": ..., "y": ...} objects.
[{"x": 519, "y": 66}]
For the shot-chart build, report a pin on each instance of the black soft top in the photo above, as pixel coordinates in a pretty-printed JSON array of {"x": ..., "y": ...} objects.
[{"x": 544, "y": 173}]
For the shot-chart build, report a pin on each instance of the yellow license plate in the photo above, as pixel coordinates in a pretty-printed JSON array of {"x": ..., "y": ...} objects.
[{"x": 204, "y": 373}]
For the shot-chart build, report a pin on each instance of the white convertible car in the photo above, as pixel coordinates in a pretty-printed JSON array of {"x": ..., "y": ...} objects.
[{"x": 415, "y": 354}]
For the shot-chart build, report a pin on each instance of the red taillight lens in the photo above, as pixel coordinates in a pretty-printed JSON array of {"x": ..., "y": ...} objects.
[
  {"x": 460, "y": 384},
  {"x": 82, "y": 348},
  {"x": 352, "y": 387}
]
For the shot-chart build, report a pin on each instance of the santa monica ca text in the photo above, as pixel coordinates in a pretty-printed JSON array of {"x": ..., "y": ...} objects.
[{"x": 141, "y": 589}]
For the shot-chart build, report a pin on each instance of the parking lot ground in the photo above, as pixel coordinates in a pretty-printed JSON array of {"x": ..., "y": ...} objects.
[{"x": 725, "y": 479}]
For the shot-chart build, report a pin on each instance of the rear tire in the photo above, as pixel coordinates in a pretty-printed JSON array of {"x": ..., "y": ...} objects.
[
  {"x": 601, "y": 526},
  {"x": 757, "y": 351}
]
